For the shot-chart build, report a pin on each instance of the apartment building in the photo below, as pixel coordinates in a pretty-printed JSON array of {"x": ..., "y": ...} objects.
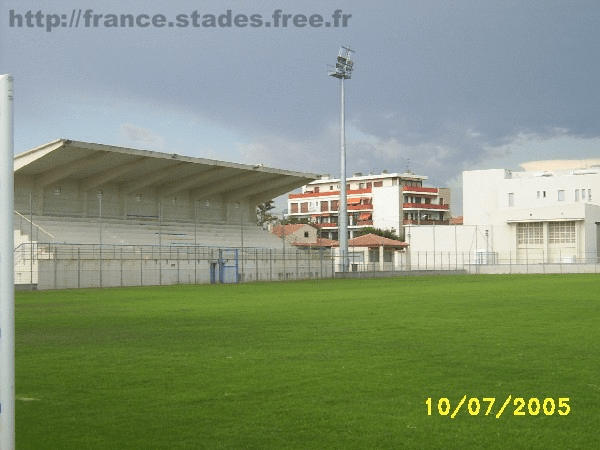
[{"x": 387, "y": 201}]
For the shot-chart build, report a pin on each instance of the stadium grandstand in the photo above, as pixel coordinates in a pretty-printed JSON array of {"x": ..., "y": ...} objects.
[{"x": 114, "y": 204}]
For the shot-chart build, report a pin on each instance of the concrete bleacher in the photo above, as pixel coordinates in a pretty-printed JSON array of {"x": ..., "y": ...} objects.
[
  {"x": 150, "y": 232},
  {"x": 25, "y": 258}
]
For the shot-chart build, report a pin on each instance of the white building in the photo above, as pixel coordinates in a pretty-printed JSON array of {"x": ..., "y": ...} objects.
[
  {"x": 387, "y": 201},
  {"x": 549, "y": 213}
]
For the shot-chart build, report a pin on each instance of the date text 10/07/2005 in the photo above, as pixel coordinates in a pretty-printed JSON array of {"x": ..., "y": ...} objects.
[{"x": 522, "y": 407}]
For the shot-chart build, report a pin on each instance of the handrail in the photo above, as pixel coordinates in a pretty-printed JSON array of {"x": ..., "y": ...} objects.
[{"x": 22, "y": 217}]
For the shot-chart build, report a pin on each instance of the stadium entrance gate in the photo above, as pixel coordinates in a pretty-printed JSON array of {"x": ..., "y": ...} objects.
[{"x": 225, "y": 269}]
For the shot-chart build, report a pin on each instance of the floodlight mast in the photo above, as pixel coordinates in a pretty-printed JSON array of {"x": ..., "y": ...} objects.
[
  {"x": 343, "y": 71},
  {"x": 7, "y": 286}
]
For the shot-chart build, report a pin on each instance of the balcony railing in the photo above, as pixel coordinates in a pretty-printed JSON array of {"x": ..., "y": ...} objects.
[
  {"x": 368, "y": 207},
  {"x": 358, "y": 223},
  {"x": 424, "y": 206},
  {"x": 420, "y": 190},
  {"x": 330, "y": 193},
  {"x": 425, "y": 222}
]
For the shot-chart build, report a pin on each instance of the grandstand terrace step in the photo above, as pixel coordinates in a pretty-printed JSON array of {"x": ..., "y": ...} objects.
[{"x": 138, "y": 232}]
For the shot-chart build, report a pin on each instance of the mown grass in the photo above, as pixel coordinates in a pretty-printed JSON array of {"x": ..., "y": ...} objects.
[{"x": 316, "y": 364}]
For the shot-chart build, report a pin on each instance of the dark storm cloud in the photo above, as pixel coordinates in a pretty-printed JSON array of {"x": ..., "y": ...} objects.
[{"x": 440, "y": 83}]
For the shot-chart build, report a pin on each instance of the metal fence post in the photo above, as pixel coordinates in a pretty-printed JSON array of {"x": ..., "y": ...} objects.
[
  {"x": 78, "y": 268},
  {"x": 55, "y": 265},
  {"x": 320, "y": 263},
  {"x": 141, "y": 266}
]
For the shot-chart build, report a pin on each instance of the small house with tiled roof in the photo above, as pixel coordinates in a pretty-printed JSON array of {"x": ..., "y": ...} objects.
[{"x": 373, "y": 252}]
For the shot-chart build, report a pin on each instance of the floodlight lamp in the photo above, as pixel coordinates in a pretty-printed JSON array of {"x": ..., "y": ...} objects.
[{"x": 343, "y": 66}]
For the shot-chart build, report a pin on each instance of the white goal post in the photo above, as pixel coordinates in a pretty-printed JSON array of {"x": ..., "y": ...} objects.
[{"x": 7, "y": 287}]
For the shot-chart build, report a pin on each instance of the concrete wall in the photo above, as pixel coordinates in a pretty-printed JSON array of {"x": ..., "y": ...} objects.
[
  {"x": 72, "y": 272},
  {"x": 387, "y": 208},
  {"x": 480, "y": 194}
]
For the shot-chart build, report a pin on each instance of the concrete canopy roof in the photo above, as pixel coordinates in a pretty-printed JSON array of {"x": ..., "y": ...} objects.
[{"x": 93, "y": 165}]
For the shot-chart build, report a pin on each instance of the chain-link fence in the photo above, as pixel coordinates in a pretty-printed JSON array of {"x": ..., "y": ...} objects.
[
  {"x": 62, "y": 266},
  {"x": 522, "y": 261}
]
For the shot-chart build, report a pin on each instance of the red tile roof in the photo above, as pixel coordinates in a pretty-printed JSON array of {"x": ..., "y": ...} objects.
[
  {"x": 372, "y": 240},
  {"x": 279, "y": 230},
  {"x": 321, "y": 242}
]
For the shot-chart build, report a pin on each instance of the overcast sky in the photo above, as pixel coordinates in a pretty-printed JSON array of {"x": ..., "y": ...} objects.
[{"x": 439, "y": 86}]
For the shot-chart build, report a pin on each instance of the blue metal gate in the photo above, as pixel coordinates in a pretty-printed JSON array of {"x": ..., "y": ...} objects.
[{"x": 225, "y": 269}]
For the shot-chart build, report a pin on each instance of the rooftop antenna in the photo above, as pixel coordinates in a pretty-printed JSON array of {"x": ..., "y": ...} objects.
[{"x": 343, "y": 71}]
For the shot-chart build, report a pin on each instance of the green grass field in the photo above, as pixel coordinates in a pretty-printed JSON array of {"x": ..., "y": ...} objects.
[{"x": 311, "y": 365}]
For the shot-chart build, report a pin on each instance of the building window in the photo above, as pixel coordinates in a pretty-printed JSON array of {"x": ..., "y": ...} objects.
[
  {"x": 538, "y": 194},
  {"x": 306, "y": 234},
  {"x": 583, "y": 194},
  {"x": 561, "y": 233},
  {"x": 576, "y": 195},
  {"x": 294, "y": 208},
  {"x": 304, "y": 207},
  {"x": 511, "y": 199},
  {"x": 138, "y": 197},
  {"x": 530, "y": 233},
  {"x": 561, "y": 196},
  {"x": 589, "y": 194},
  {"x": 57, "y": 190},
  {"x": 378, "y": 183}
]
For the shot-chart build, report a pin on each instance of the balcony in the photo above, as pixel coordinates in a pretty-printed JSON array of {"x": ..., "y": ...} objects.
[
  {"x": 420, "y": 190},
  {"x": 329, "y": 193},
  {"x": 325, "y": 225},
  {"x": 425, "y": 206},
  {"x": 358, "y": 223},
  {"x": 425, "y": 222},
  {"x": 360, "y": 207}
]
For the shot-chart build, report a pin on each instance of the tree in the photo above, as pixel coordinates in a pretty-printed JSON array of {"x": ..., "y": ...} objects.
[
  {"x": 262, "y": 213},
  {"x": 379, "y": 232},
  {"x": 295, "y": 220}
]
